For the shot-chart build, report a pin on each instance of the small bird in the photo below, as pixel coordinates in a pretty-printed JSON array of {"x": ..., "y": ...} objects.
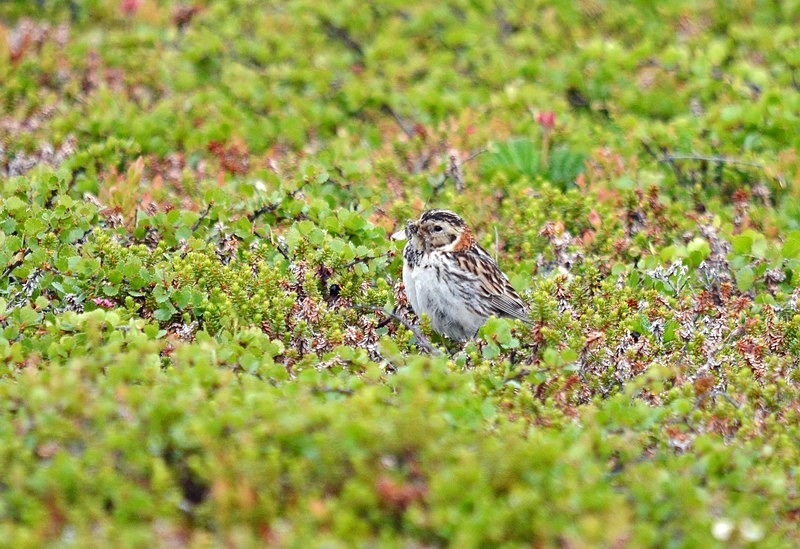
[{"x": 449, "y": 276}]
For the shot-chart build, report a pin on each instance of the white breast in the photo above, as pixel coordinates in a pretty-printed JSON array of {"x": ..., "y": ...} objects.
[
  {"x": 429, "y": 291},
  {"x": 411, "y": 289}
]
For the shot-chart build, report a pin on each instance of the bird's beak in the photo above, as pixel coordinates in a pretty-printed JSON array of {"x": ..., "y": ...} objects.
[{"x": 403, "y": 233}]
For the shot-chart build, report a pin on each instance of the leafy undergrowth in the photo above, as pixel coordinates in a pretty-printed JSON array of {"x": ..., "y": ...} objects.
[{"x": 200, "y": 305}]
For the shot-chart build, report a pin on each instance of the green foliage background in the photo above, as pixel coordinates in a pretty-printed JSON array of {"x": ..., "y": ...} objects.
[{"x": 196, "y": 199}]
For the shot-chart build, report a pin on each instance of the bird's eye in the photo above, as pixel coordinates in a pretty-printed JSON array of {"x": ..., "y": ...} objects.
[{"x": 437, "y": 228}]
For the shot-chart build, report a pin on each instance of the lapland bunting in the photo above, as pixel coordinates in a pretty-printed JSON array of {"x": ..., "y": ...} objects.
[{"x": 451, "y": 278}]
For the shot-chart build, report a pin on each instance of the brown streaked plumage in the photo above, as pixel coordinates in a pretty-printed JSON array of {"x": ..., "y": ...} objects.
[{"x": 452, "y": 279}]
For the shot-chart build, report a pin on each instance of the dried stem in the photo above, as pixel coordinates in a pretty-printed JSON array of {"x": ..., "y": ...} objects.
[
  {"x": 670, "y": 157},
  {"x": 422, "y": 341},
  {"x": 404, "y": 125},
  {"x": 203, "y": 215}
]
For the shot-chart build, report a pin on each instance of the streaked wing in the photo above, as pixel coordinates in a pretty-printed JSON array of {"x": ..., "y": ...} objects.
[
  {"x": 495, "y": 289},
  {"x": 511, "y": 305}
]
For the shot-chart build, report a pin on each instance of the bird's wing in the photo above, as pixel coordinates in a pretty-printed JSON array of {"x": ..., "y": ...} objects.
[
  {"x": 493, "y": 284},
  {"x": 511, "y": 306}
]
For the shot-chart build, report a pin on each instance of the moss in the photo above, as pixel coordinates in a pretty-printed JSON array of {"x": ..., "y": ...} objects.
[{"x": 195, "y": 208}]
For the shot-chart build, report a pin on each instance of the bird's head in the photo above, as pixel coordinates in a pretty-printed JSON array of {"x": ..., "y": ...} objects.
[{"x": 438, "y": 230}]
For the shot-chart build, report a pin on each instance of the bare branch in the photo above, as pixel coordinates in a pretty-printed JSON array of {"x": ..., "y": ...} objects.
[
  {"x": 203, "y": 215},
  {"x": 13, "y": 265},
  {"x": 670, "y": 157},
  {"x": 404, "y": 125},
  {"x": 658, "y": 158},
  {"x": 343, "y": 35},
  {"x": 332, "y": 390},
  {"x": 454, "y": 171},
  {"x": 364, "y": 259},
  {"x": 474, "y": 155},
  {"x": 673, "y": 159},
  {"x": 714, "y": 394},
  {"x": 271, "y": 208},
  {"x": 422, "y": 341}
]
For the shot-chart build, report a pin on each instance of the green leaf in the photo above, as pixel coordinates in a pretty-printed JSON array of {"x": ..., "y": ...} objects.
[
  {"x": 164, "y": 313},
  {"x": 316, "y": 236},
  {"x": 551, "y": 357},
  {"x": 569, "y": 355},
  {"x": 183, "y": 233},
  {"x": 11, "y": 332},
  {"x": 490, "y": 350},
  {"x": 498, "y": 330},
  {"x": 15, "y": 204},
  {"x": 243, "y": 228},
  {"x": 741, "y": 243},
  {"x": 182, "y": 297},
  {"x": 791, "y": 246},
  {"x": 27, "y": 315},
  {"x": 565, "y": 165},
  {"x": 759, "y": 248},
  {"x": 670, "y": 330},
  {"x": 131, "y": 267},
  {"x": 13, "y": 243},
  {"x": 515, "y": 157},
  {"x": 536, "y": 377},
  {"x": 641, "y": 324},
  {"x": 698, "y": 250},
  {"x": 110, "y": 290},
  {"x": 161, "y": 294},
  {"x": 34, "y": 225},
  {"x": 744, "y": 278},
  {"x": 305, "y": 226},
  {"x": 624, "y": 183}
]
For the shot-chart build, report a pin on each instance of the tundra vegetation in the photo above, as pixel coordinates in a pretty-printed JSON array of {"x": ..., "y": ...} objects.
[{"x": 203, "y": 336}]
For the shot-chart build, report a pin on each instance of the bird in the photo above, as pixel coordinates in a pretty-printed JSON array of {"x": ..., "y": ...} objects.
[{"x": 451, "y": 278}]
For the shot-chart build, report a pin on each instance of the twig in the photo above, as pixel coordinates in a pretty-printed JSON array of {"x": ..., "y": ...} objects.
[
  {"x": 453, "y": 169},
  {"x": 333, "y": 390},
  {"x": 454, "y": 172},
  {"x": 343, "y": 35},
  {"x": 84, "y": 236},
  {"x": 675, "y": 168},
  {"x": 408, "y": 130},
  {"x": 422, "y": 341},
  {"x": 271, "y": 208},
  {"x": 283, "y": 249},
  {"x": 15, "y": 264},
  {"x": 474, "y": 155},
  {"x": 713, "y": 394},
  {"x": 203, "y": 215},
  {"x": 670, "y": 157},
  {"x": 280, "y": 245},
  {"x": 522, "y": 374},
  {"x": 364, "y": 259},
  {"x": 422, "y": 162},
  {"x": 719, "y": 160},
  {"x": 504, "y": 26}
]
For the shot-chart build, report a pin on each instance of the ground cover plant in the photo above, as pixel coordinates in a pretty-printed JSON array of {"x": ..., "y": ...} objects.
[{"x": 203, "y": 333}]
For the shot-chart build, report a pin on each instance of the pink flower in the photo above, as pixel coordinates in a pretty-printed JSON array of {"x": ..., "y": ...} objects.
[
  {"x": 103, "y": 302},
  {"x": 546, "y": 119},
  {"x": 129, "y": 7}
]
